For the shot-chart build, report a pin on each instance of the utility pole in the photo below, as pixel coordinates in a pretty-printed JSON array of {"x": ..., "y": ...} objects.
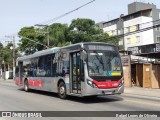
[
  {"x": 14, "y": 58},
  {"x": 13, "y": 53},
  {"x": 48, "y": 36}
]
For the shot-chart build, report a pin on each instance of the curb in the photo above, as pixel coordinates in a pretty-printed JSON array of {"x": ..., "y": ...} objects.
[{"x": 142, "y": 91}]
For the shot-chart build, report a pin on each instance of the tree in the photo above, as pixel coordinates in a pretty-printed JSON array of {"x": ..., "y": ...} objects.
[
  {"x": 1, "y": 55},
  {"x": 81, "y": 30},
  {"x": 58, "y": 34},
  {"x": 30, "y": 39},
  {"x": 85, "y": 30},
  {"x": 6, "y": 56},
  {"x": 104, "y": 37},
  {"x": 1, "y": 46},
  {"x": 85, "y": 25}
]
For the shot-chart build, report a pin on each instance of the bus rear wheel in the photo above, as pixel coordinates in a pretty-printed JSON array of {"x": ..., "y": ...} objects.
[
  {"x": 26, "y": 86},
  {"x": 62, "y": 90}
]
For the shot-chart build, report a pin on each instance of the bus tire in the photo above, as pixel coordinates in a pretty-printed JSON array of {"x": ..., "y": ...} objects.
[
  {"x": 62, "y": 90},
  {"x": 26, "y": 88}
]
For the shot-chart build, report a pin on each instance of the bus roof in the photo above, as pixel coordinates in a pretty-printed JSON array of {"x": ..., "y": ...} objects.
[
  {"x": 86, "y": 43},
  {"x": 39, "y": 53},
  {"x": 55, "y": 49}
]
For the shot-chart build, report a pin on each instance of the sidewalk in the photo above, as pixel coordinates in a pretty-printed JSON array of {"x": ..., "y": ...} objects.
[
  {"x": 8, "y": 80},
  {"x": 142, "y": 91}
]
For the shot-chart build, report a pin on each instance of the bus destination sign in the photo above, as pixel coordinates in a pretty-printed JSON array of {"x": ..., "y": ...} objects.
[{"x": 100, "y": 47}]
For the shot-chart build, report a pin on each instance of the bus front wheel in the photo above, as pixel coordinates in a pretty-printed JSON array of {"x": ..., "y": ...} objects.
[
  {"x": 62, "y": 90},
  {"x": 26, "y": 86}
]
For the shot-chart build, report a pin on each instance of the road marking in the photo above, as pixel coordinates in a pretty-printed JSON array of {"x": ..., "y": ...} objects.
[{"x": 142, "y": 102}]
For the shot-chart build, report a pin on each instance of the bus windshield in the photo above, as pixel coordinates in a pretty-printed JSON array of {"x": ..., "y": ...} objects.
[{"x": 104, "y": 63}]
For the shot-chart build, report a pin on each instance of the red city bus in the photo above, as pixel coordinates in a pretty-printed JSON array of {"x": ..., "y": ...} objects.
[{"x": 82, "y": 69}]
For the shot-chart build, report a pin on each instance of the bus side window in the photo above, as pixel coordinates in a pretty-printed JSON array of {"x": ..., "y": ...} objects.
[
  {"x": 54, "y": 67},
  {"x": 65, "y": 68},
  {"x": 25, "y": 72},
  {"x": 48, "y": 68},
  {"x": 41, "y": 67}
]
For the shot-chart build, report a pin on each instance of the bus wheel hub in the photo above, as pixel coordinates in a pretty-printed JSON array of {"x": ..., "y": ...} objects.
[{"x": 62, "y": 90}]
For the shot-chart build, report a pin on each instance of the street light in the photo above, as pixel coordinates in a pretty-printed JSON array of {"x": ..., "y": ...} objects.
[
  {"x": 47, "y": 33},
  {"x": 13, "y": 52},
  {"x": 13, "y": 49}
]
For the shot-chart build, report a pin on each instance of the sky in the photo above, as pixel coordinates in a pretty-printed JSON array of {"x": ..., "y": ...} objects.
[{"x": 16, "y": 14}]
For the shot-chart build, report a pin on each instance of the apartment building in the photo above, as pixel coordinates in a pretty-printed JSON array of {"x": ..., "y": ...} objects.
[{"x": 139, "y": 22}]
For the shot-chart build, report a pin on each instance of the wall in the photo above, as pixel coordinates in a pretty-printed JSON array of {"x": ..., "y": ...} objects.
[
  {"x": 145, "y": 37},
  {"x": 110, "y": 29},
  {"x": 156, "y": 16},
  {"x": 137, "y": 6}
]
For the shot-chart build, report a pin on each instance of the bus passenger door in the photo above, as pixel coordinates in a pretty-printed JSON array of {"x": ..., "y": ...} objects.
[{"x": 75, "y": 72}]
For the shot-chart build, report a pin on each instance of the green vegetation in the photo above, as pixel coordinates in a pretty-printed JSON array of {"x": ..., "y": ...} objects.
[
  {"x": 35, "y": 39},
  {"x": 27, "y": 46},
  {"x": 6, "y": 56},
  {"x": 80, "y": 30}
]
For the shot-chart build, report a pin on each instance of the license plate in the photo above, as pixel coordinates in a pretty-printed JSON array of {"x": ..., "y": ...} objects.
[{"x": 109, "y": 92}]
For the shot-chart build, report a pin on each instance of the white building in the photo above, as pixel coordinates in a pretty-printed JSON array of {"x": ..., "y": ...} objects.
[{"x": 136, "y": 28}]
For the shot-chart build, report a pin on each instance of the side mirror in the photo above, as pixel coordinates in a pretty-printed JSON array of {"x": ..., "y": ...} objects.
[{"x": 83, "y": 55}]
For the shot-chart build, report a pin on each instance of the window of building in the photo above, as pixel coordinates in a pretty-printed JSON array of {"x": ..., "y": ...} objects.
[
  {"x": 121, "y": 42},
  {"x": 157, "y": 28},
  {"x": 120, "y": 31},
  {"x": 109, "y": 33},
  {"x": 158, "y": 39},
  {"x": 114, "y": 32},
  {"x": 137, "y": 27},
  {"x": 128, "y": 40},
  {"x": 127, "y": 29},
  {"x": 138, "y": 39},
  {"x": 133, "y": 28},
  {"x": 110, "y": 23}
]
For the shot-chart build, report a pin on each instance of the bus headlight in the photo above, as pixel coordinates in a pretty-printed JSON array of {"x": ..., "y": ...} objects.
[{"x": 90, "y": 83}]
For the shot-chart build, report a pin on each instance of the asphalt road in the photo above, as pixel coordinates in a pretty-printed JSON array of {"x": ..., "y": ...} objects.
[{"x": 14, "y": 99}]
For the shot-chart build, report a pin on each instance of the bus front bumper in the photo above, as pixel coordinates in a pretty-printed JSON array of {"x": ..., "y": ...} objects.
[{"x": 111, "y": 91}]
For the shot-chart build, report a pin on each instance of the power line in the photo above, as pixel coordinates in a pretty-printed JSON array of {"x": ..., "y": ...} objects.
[
  {"x": 63, "y": 15},
  {"x": 4, "y": 37},
  {"x": 142, "y": 27},
  {"x": 35, "y": 41}
]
